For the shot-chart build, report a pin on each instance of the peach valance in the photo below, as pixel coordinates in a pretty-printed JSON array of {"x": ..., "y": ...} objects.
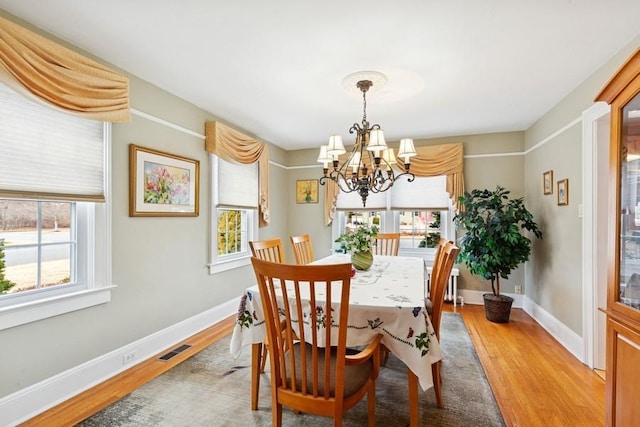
[
  {"x": 232, "y": 145},
  {"x": 46, "y": 71}
]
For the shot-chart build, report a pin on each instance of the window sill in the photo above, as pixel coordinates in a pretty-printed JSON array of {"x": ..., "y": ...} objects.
[
  {"x": 20, "y": 314},
  {"x": 226, "y": 265}
]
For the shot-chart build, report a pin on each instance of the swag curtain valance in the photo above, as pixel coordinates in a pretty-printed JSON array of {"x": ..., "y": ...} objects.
[
  {"x": 432, "y": 160},
  {"x": 46, "y": 71},
  {"x": 232, "y": 145}
]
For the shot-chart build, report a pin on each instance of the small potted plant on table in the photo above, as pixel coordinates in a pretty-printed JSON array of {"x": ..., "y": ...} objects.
[
  {"x": 493, "y": 245},
  {"x": 359, "y": 243}
]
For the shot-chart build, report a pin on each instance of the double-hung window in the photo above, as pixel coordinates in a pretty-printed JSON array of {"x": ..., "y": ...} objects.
[
  {"x": 234, "y": 213},
  {"x": 53, "y": 257},
  {"x": 421, "y": 211}
]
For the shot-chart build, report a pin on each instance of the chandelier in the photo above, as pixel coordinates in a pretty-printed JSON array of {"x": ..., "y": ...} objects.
[{"x": 370, "y": 165}]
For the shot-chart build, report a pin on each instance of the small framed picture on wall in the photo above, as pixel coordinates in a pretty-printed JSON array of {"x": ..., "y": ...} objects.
[
  {"x": 563, "y": 192},
  {"x": 307, "y": 191},
  {"x": 547, "y": 182}
]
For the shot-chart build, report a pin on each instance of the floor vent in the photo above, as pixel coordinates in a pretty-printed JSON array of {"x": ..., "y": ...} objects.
[{"x": 174, "y": 352}]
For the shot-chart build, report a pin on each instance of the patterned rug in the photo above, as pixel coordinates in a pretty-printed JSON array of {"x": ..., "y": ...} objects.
[{"x": 213, "y": 389}]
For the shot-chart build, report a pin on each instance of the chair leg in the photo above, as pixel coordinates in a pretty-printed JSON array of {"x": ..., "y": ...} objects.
[
  {"x": 371, "y": 405},
  {"x": 256, "y": 351},
  {"x": 437, "y": 383},
  {"x": 276, "y": 413}
]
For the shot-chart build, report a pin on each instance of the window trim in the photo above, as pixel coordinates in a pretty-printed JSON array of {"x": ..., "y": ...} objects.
[
  {"x": 390, "y": 224},
  {"x": 218, "y": 264}
]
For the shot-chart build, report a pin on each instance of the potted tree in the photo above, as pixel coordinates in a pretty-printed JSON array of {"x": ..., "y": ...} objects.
[{"x": 494, "y": 245}]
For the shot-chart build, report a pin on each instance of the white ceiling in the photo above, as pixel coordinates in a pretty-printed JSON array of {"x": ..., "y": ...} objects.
[{"x": 275, "y": 67}]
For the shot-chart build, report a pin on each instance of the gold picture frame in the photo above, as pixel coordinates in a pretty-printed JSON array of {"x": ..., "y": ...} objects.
[
  {"x": 563, "y": 192},
  {"x": 307, "y": 191},
  {"x": 547, "y": 182},
  {"x": 162, "y": 184}
]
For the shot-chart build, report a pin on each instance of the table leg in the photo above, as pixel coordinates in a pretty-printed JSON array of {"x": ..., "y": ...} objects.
[
  {"x": 414, "y": 413},
  {"x": 256, "y": 355}
]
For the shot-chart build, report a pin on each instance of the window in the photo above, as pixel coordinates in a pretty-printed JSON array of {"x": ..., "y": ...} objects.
[
  {"x": 421, "y": 211},
  {"x": 53, "y": 257},
  {"x": 234, "y": 213}
]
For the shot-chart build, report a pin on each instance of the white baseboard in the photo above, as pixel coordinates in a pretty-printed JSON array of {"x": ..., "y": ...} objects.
[
  {"x": 558, "y": 330},
  {"x": 37, "y": 398},
  {"x": 565, "y": 336}
]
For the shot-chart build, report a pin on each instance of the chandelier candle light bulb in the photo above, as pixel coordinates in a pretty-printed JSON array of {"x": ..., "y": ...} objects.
[{"x": 370, "y": 156}]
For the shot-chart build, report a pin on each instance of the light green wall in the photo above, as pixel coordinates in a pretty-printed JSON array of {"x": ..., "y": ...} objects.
[
  {"x": 159, "y": 264},
  {"x": 553, "y": 278}
]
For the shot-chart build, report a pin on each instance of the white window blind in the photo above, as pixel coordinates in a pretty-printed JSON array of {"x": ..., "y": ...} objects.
[
  {"x": 48, "y": 154},
  {"x": 422, "y": 193},
  {"x": 237, "y": 184}
]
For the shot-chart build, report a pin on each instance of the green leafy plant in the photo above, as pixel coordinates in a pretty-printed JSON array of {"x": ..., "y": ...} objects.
[
  {"x": 5, "y": 284},
  {"x": 494, "y": 245},
  {"x": 359, "y": 240}
]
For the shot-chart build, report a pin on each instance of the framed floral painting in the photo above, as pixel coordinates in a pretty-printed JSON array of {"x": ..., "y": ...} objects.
[
  {"x": 162, "y": 184},
  {"x": 307, "y": 191}
]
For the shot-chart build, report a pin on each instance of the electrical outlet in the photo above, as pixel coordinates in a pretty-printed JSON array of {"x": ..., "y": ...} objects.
[
  {"x": 129, "y": 357},
  {"x": 518, "y": 289}
]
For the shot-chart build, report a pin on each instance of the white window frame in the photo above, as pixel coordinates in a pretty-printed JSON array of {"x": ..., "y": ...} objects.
[
  {"x": 93, "y": 286},
  {"x": 220, "y": 263},
  {"x": 390, "y": 223}
]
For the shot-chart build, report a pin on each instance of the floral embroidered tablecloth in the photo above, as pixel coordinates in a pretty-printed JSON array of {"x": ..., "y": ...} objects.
[{"x": 387, "y": 299}]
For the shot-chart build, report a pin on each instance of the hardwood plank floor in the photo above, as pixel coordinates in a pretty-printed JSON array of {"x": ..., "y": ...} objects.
[{"x": 535, "y": 380}]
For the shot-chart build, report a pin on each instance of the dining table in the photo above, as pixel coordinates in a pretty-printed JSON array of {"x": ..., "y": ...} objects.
[{"x": 387, "y": 299}]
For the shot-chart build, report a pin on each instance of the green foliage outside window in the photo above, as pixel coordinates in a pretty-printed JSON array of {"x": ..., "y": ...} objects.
[
  {"x": 229, "y": 232},
  {"x": 432, "y": 238},
  {"x": 5, "y": 284}
]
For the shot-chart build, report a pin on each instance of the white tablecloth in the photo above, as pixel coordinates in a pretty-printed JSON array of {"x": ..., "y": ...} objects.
[{"x": 387, "y": 299}]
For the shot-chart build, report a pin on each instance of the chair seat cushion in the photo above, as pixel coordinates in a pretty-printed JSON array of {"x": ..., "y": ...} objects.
[{"x": 355, "y": 376}]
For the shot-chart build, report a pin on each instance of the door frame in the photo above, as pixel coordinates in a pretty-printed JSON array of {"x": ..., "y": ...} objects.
[{"x": 592, "y": 329}]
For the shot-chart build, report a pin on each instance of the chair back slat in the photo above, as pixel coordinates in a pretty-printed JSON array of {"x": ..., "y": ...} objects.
[
  {"x": 387, "y": 244},
  {"x": 302, "y": 249},
  {"x": 268, "y": 250}
]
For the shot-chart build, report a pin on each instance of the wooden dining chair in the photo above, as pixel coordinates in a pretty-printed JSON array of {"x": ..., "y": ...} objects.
[
  {"x": 267, "y": 250},
  {"x": 302, "y": 249},
  {"x": 439, "y": 278},
  {"x": 305, "y": 375},
  {"x": 437, "y": 260},
  {"x": 387, "y": 244}
]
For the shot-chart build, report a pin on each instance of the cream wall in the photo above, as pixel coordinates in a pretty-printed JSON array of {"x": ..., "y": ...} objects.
[
  {"x": 159, "y": 264},
  {"x": 553, "y": 279}
]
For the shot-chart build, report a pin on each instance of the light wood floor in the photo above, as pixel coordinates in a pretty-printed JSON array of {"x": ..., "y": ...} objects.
[{"x": 535, "y": 380}]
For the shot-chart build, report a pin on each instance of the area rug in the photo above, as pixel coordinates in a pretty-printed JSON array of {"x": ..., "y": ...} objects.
[{"x": 213, "y": 389}]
